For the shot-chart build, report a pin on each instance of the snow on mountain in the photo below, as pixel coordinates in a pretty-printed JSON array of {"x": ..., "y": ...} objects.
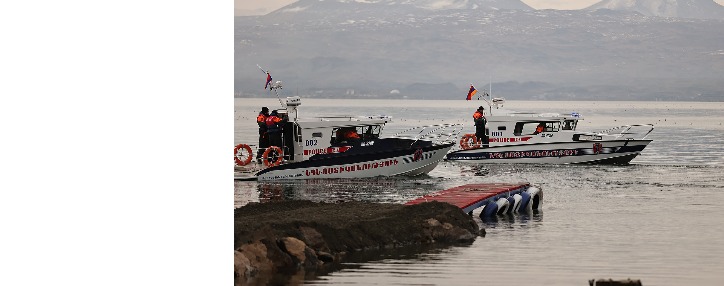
[
  {"x": 699, "y": 9},
  {"x": 420, "y": 4}
]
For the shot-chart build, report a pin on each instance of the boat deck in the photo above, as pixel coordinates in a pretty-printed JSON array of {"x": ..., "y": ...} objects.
[{"x": 472, "y": 196}]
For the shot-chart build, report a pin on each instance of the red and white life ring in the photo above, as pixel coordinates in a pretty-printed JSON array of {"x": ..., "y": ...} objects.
[
  {"x": 466, "y": 144},
  {"x": 280, "y": 156},
  {"x": 242, "y": 154}
]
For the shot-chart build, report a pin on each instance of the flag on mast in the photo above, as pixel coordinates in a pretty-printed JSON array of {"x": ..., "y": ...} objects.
[
  {"x": 472, "y": 92},
  {"x": 268, "y": 80}
]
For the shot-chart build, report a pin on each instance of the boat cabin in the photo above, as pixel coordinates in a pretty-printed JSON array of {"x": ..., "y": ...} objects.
[
  {"x": 531, "y": 128},
  {"x": 306, "y": 137}
]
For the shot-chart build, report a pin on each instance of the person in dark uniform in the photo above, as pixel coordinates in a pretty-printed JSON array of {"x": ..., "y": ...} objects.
[
  {"x": 274, "y": 125},
  {"x": 480, "y": 122},
  {"x": 263, "y": 138}
]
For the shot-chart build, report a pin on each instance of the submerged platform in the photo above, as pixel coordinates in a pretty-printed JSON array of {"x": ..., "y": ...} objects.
[
  {"x": 472, "y": 196},
  {"x": 246, "y": 173}
]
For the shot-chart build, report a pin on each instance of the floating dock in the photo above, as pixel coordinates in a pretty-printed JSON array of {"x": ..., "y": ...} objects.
[{"x": 496, "y": 198}]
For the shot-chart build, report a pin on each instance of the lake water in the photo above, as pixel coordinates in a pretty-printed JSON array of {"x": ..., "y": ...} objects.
[{"x": 659, "y": 219}]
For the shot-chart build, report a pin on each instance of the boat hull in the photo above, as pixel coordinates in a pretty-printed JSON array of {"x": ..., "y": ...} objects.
[
  {"x": 585, "y": 152},
  {"x": 400, "y": 162}
]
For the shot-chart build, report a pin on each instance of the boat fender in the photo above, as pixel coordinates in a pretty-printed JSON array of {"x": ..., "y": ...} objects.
[
  {"x": 524, "y": 200},
  {"x": 515, "y": 205},
  {"x": 536, "y": 198},
  {"x": 511, "y": 204},
  {"x": 265, "y": 156},
  {"x": 503, "y": 206},
  {"x": 490, "y": 209},
  {"x": 240, "y": 158},
  {"x": 469, "y": 141}
]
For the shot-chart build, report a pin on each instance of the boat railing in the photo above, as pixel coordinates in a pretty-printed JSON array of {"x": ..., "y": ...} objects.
[
  {"x": 353, "y": 118},
  {"x": 437, "y": 133},
  {"x": 634, "y": 131}
]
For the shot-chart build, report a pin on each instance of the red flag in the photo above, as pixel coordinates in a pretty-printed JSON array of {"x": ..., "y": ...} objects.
[
  {"x": 268, "y": 80},
  {"x": 471, "y": 92}
]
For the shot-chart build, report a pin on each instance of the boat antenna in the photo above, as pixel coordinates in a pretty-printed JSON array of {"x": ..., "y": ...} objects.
[
  {"x": 490, "y": 94},
  {"x": 272, "y": 86},
  {"x": 485, "y": 93}
]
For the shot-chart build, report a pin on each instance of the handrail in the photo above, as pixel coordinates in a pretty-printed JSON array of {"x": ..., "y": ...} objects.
[
  {"x": 435, "y": 132},
  {"x": 626, "y": 128}
]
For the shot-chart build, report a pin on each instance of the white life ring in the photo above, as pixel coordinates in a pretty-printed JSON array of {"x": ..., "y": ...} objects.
[{"x": 242, "y": 154}]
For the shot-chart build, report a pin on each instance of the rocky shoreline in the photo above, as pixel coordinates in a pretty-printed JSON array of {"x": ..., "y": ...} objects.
[{"x": 289, "y": 237}]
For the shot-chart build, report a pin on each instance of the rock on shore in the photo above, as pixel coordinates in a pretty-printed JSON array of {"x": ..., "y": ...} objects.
[{"x": 288, "y": 236}]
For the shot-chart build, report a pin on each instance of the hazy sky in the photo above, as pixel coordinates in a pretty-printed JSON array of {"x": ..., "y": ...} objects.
[{"x": 260, "y": 7}]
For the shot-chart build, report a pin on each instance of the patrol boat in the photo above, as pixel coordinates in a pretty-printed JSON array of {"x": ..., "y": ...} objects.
[
  {"x": 313, "y": 148},
  {"x": 550, "y": 138}
]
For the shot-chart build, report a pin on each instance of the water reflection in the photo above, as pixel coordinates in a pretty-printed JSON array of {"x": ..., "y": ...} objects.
[
  {"x": 510, "y": 220},
  {"x": 383, "y": 190}
]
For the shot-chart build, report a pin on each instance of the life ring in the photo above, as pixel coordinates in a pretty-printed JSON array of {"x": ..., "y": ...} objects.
[
  {"x": 240, "y": 158},
  {"x": 280, "y": 156},
  {"x": 466, "y": 144}
]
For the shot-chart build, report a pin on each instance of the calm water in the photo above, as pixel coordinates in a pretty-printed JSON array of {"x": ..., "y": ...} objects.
[{"x": 658, "y": 219}]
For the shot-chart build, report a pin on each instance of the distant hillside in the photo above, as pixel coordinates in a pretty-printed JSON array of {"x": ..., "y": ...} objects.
[
  {"x": 410, "y": 52},
  {"x": 696, "y": 9}
]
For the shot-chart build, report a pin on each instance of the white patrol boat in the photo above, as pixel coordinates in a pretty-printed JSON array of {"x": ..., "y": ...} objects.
[
  {"x": 550, "y": 139},
  {"x": 313, "y": 148}
]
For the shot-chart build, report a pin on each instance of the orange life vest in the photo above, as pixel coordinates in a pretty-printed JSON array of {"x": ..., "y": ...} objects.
[
  {"x": 350, "y": 134},
  {"x": 272, "y": 124}
]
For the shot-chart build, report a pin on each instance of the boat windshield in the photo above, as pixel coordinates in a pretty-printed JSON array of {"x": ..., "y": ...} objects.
[
  {"x": 569, "y": 125},
  {"x": 351, "y": 134}
]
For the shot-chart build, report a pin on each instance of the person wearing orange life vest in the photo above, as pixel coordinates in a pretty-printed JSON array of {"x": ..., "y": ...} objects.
[
  {"x": 480, "y": 122},
  {"x": 274, "y": 125},
  {"x": 263, "y": 137},
  {"x": 348, "y": 134},
  {"x": 539, "y": 128}
]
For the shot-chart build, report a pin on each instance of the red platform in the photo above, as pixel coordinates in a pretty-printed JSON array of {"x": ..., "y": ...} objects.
[{"x": 472, "y": 196}]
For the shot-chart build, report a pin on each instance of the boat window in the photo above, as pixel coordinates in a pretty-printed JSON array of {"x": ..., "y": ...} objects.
[
  {"x": 533, "y": 128},
  {"x": 317, "y": 134},
  {"x": 371, "y": 132},
  {"x": 553, "y": 126},
  {"x": 569, "y": 125},
  {"x": 352, "y": 134},
  {"x": 501, "y": 128}
]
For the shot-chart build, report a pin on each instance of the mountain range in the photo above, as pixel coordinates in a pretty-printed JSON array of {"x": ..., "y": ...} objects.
[
  {"x": 435, "y": 49},
  {"x": 698, "y": 9}
]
